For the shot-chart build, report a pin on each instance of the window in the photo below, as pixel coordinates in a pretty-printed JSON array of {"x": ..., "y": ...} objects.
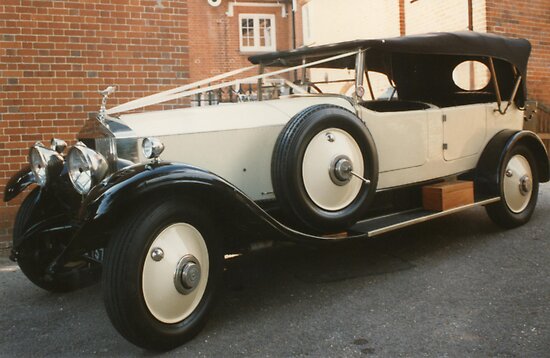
[
  {"x": 471, "y": 75},
  {"x": 257, "y": 32}
]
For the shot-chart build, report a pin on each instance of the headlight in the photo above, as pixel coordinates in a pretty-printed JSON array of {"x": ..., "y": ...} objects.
[
  {"x": 86, "y": 167},
  {"x": 152, "y": 147},
  {"x": 58, "y": 145},
  {"x": 44, "y": 163}
]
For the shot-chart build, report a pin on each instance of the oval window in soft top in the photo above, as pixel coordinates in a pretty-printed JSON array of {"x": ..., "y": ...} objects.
[{"x": 471, "y": 75}]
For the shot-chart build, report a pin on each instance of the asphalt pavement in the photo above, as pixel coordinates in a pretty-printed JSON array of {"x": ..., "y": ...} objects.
[{"x": 458, "y": 286}]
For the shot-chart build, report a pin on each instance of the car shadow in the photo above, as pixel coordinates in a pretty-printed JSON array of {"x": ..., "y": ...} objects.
[{"x": 293, "y": 272}]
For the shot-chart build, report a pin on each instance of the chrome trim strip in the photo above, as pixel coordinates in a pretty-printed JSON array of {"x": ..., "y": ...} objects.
[{"x": 431, "y": 216}]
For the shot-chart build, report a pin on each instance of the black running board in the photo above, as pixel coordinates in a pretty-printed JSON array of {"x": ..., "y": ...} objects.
[{"x": 383, "y": 224}]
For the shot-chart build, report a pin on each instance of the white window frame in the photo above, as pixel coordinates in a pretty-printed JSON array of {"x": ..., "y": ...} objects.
[{"x": 256, "y": 18}]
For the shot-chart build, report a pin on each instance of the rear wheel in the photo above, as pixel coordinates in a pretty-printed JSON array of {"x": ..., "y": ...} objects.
[
  {"x": 161, "y": 274},
  {"x": 519, "y": 187}
]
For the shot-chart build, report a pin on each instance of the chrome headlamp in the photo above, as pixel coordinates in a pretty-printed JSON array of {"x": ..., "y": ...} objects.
[
  {"x": 86, "y": 167},
  {"x": 152, "y": 147},
  {"x": 44, "y": 163},
  {"x": 58, "y": 145}
]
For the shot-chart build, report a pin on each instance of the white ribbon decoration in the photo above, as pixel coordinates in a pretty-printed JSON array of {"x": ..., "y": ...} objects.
[
  {"x": 181, "y": 92},
  {"x": 150, "y": 100}
]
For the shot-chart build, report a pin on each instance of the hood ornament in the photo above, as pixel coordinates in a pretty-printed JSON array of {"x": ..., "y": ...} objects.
[{"x": 103, "y": 110}]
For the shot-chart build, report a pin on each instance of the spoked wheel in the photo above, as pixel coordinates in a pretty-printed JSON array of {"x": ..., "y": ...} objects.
[
  {"x": 519, "y": 186},
  {"x": 324, "y": 169},
  {"x": 161, "y": 274}
]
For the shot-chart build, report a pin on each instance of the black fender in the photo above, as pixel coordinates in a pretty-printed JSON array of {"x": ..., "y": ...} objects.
[
  {"x": 489, "y": 165},
  {"x": 49, "y": 212},
  {"x": 105, "y": 207},
  {"x": 18, "y": 182}
]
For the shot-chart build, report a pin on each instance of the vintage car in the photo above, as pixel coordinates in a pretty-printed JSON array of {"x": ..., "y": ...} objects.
[{"x": 165, "y": 194}]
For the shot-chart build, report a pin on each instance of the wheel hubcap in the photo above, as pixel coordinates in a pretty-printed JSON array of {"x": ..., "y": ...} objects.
[
  {"x": 328, "y": 160},
  {"x": 175, "y": 273},
  {"x": 517, "y": 183}
]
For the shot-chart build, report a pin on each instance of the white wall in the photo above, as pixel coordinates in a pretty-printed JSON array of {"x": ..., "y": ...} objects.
[
  {"x": 328, "y": 21},
  {"x": 443, "y": 15}
]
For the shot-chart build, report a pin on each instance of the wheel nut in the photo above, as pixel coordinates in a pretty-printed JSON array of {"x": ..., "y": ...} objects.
[
  {"x": 157, "y": 254},
  {"x": 190, "y": 275},
  {"x": 509, "y": 173},
  {"x": 187, "y": 275},
  {"x": 525, "y": 185},
  {"x": 330, "y": 137}
]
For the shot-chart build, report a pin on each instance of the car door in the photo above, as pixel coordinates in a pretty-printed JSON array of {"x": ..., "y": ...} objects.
[
  {"x": 464, "y": 131},
  {"x": 401, "y": 138}
]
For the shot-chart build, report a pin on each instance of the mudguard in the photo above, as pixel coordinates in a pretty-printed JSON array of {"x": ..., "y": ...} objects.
[
  {"x": 489, "y": 165},
  {"x": 18, "y": 182},
  {"x": 109, "y": 202}
]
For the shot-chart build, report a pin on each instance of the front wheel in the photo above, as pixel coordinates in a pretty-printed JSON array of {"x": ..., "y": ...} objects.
[
  {"x": 519, "y": 187},
  {"x": 37, "y": 253},
  {"x": 161, "y": 274}
]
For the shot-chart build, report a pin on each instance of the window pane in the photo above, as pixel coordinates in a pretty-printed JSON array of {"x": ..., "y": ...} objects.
[
  {"x": 251, "y": 33},
  {"x": 267, "y": 36}
]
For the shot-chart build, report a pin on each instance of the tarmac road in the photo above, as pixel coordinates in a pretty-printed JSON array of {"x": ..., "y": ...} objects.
[{"x": 458, "y": 286}]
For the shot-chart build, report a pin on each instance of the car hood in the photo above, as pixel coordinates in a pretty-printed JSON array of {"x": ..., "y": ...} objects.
[{"x": 228, "y": 116}]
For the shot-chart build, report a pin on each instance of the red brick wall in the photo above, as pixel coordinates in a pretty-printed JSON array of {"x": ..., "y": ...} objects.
[
  {"x": 56, "y": 55},
  {"x": 214, "y": 36},
  {"x": 530, "y": 20}
]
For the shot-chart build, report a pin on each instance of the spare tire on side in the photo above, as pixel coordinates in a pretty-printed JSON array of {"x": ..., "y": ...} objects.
[{"x": 315, "y": 164}]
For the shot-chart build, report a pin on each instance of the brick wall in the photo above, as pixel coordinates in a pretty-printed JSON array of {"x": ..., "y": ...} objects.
[
  {"x": 214, "y": 36},
  {"x": 530, "y": 20},
  {"x": 56, "y": 55}
]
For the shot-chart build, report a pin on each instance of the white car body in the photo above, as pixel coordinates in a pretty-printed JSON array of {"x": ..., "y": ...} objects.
[{"x": 236, "y": 141}]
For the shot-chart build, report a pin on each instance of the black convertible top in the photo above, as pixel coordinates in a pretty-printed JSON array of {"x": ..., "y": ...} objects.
[
  {"x": 465, "y": 43},
  {"x": 421, "y": 66}
]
